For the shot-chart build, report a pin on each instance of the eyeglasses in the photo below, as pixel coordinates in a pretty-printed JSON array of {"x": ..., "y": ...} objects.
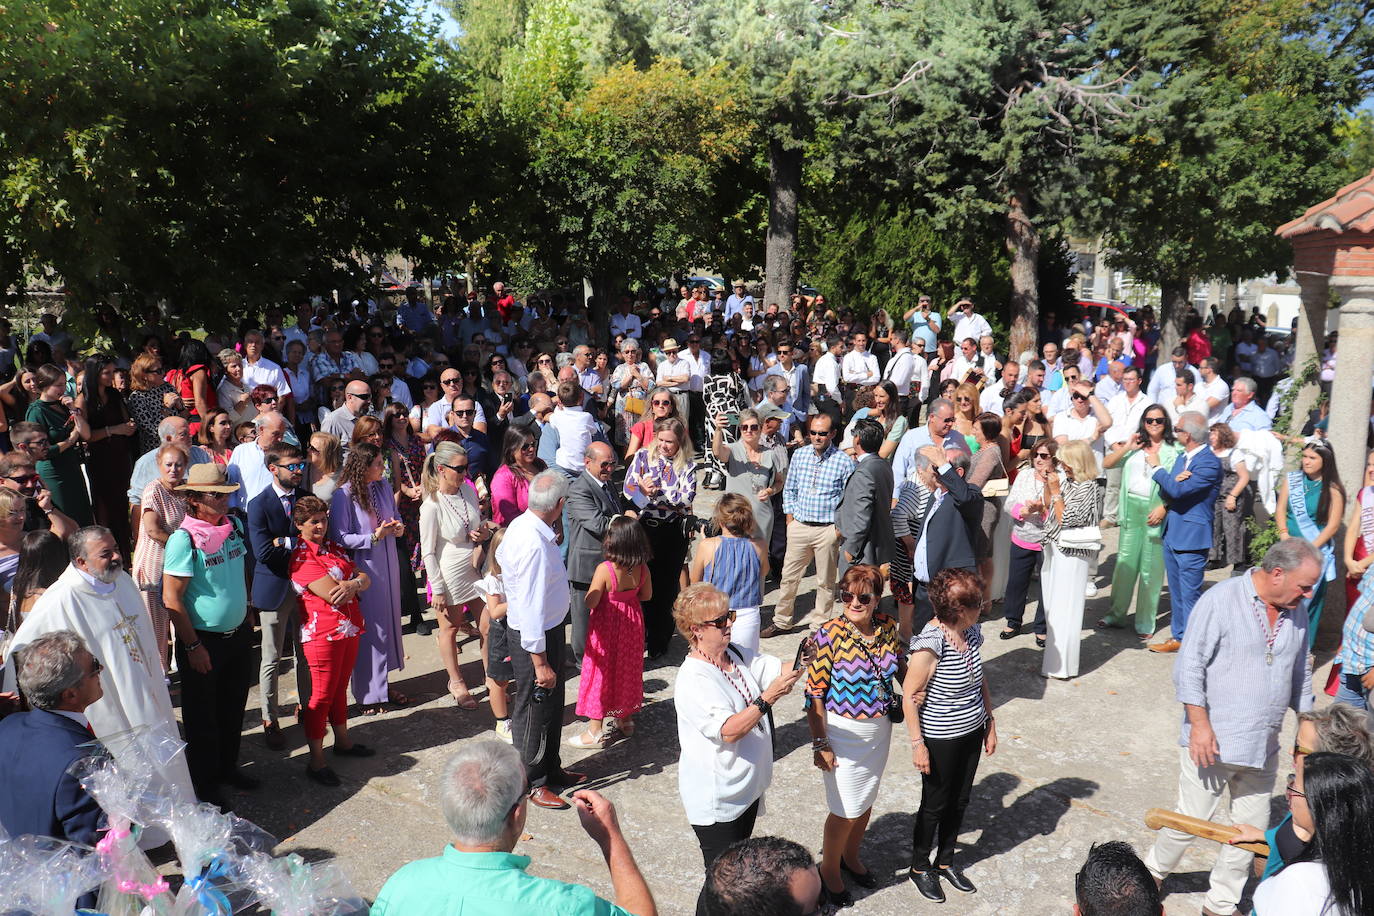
[
  {"x": 529, "y": 447},
  {"x": 861, "y": 597},
  {"x": 1044, "y": 455},
  {"x": 354, "y": 394},
  {"x": 22, "y": 479},
  {"x": 823, "y": 433},
  {"x": 334, "y": 388},
  {"x": 1291, "y": 782},
  {"x": 721, "y": 622},
  {"x": 294, "y": 466},
  {"x": 1078, "y": 397},
  {"x": 450, "y": 381},
  {"x": 96, "y": 668},
  {"x": 748, "y": 427},
  {"x": 457, "y": 468},
  {"x": 964, "y": 400},
  {"x": 464, "y": 413},
  {"x": 658, "y": 403},
  {"x": 543, "y": 360},
  {"x": 268, "y": 401},
  {"x": 605, "y": 464},
  {"x": 1155, "y": 421},
  {"x": 1300, "y": 751}
]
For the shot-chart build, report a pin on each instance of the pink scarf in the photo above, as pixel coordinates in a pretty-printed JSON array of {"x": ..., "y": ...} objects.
[{"x": 204, "y": 535}]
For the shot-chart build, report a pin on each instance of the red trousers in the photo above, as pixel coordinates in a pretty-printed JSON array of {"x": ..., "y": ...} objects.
[{"x": 331, "y": 665}]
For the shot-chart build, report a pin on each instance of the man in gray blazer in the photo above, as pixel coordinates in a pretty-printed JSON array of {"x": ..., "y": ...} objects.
[
  {"x": 592, "y": 503},
  {"x": 864, "y": 517}
]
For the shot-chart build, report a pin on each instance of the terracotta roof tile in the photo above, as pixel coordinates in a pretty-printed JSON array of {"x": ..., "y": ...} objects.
[{"x": 1350, "y": 210}]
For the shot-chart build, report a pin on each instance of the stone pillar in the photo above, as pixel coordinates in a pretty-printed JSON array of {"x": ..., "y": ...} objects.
[
  {"x": 1350, "y": 392},
  {"x": 1310, "y": 334}
]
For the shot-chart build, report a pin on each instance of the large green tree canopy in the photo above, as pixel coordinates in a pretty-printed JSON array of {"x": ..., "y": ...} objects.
[{"x": 210, "y": 153}]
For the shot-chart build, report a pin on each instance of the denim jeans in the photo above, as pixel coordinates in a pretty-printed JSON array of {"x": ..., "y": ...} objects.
[{"x": 1351, "y": 692}]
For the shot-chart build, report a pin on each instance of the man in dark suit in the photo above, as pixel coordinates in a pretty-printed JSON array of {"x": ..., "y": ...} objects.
[
  {"x": 1190, "y": 490},
  {"x": 60, "y": 678},
  {"x": 592, "y": 502},
  {"x": 863, "y": 519},
  {"x": 940, "y": 534},
  {"x": 273, "y": 538}
]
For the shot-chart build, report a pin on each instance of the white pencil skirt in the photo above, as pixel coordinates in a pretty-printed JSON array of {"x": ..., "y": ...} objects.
[{"x": 860, "y": 747}]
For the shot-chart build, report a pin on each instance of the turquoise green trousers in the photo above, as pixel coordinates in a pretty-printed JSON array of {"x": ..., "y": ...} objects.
[{"x": 1139, "y": 565}]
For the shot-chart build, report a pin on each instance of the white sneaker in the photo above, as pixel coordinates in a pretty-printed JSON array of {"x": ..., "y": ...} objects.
[
  {"x": 503, "y": 731},
  {"x": 1091, "y": 590}
]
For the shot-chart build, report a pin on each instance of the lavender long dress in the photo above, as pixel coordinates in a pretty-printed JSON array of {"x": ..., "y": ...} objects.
[{"x": 379, "y": 649}]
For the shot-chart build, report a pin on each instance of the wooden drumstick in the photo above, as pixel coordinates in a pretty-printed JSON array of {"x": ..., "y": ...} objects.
[{"x": 1156, "y": 818}]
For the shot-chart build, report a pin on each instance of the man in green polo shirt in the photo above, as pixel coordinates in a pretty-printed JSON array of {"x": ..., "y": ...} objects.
[{"x": 484, "y": 797}]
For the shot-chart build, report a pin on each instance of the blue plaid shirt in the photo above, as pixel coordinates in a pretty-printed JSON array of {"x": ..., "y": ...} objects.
[
  {"x": 1357, "y": 643},
  {"x": 815, "y": 484}
]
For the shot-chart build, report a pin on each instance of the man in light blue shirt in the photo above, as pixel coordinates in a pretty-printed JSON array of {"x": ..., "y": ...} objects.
[
  {"x": 483, "y": 796},
  {"x": 1243, "y": 664},
  {"x": 938, "y": 430},
  {"x": 1244, "y": 412},
  {"x": 172, "y": 431},
  {"x": 735, "y": 304}
]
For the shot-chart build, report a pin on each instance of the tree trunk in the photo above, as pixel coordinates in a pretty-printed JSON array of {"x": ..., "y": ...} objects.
[
  {"x": 784, "y": 194},
  {"x": 1023, "y": 246},
  {"x": 1175, "y": 294},
  {"x": 605, "y": 293}
]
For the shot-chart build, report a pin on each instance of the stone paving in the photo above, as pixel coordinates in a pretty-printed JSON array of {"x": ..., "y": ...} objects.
[{"x": 1080, "y": 762}]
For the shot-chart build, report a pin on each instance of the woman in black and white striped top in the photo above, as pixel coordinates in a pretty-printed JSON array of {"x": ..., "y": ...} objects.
[
  {"x": 949, "y": 720},
  {"x": 1064, "y": 578}
]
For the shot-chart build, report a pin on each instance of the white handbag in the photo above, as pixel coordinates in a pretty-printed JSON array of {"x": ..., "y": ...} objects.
[{"x": 1084, "y": 537}]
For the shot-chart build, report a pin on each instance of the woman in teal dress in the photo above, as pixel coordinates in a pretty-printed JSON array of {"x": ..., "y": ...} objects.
[
  {"x": 1311, "y": 504},
  {"x": 61, "y": 469}
]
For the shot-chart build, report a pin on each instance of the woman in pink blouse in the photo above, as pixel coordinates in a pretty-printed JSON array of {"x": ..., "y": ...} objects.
[
  {"x": 510, "y": 485},
  {"x": 328, "y": 583}
]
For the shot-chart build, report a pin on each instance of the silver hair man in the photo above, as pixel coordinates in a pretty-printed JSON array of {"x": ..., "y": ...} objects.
[
  {"x": 547, "y": 490},
  {"x": 480, "y": 785},
  {"x": 50, "y": 665}
]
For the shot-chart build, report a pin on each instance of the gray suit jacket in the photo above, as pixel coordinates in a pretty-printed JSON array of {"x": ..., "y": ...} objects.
[
  {"x": 589, "y": 511},
  {"x": 864, "y": 516}
]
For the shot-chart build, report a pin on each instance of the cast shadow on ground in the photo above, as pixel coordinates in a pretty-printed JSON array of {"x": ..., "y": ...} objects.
[{"x": 1001, "y": 827}]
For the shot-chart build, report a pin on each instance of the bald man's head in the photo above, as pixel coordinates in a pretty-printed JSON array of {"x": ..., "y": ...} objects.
[
  {"x": 541, "y": 405},
  {"x": 600, "y": 461}
]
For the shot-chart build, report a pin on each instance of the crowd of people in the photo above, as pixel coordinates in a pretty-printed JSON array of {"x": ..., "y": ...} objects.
[{"x": 199, "y": 510}]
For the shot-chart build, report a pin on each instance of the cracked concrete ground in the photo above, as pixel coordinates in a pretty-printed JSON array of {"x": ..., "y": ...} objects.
[{"x": 1080, "y": 762}]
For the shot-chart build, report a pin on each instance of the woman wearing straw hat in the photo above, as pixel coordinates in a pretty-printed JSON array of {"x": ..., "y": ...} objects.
[{"x": 205, "y": 589}]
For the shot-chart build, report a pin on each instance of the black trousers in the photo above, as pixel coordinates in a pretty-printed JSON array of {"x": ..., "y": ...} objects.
[
  {"x": 1022, "y": 563},
  {"x": 922, "y": 612},
  {"x": 777, "y": 545},
  {"x": 410, "y": 595},
  {"x": 212, "y": 706},
  {"x": 714, "y": 838},
  {"x": 537, "y": 726},
  {"x": 669, "y": 545},
  {"x": 945, "y": 792},
  {"x": 696, "y": 419},
  {"x": 581, "y": 616}
]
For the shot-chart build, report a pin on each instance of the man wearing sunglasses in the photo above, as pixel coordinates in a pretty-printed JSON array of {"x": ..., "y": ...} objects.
[
  {"x": 1087, "y": 418},
  {"x": 17, "y": 472},
  {"x": 271, "y": 535},
  {"x": 341, "y": 420},
  {"x": 61, "y": 679},
  {"x": 816, "y": 479}
]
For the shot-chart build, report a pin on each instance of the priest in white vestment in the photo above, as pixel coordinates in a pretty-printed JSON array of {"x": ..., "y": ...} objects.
[{"x": 98, "y": 600}]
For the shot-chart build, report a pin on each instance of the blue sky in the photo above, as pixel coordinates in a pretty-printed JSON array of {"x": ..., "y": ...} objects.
[{"x": 450, "y": 26}]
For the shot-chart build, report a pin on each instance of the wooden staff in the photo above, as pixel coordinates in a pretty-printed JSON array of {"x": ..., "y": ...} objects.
[{"x": 1156, "y": 818}]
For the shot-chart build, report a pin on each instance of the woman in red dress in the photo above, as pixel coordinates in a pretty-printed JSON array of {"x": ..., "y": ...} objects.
[{"x": 329, "y": 584}]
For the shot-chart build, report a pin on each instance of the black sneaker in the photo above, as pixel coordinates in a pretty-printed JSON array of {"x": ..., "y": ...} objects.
[
  {"x": 928, "y": 883},
  {"x": 324, "y": 776}
]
